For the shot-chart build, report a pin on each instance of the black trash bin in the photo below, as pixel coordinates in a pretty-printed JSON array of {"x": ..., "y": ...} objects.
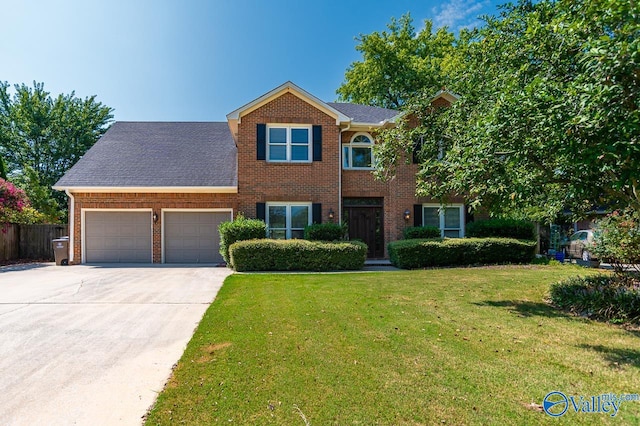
[{"x": 61, "y": 250}]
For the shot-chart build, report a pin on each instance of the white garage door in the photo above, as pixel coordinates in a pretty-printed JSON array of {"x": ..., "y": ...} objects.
[
  {"x": 117, "y": 237},
  {"x": 192, "y": 237}
]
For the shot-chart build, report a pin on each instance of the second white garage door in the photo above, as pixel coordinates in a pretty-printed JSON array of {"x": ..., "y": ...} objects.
[{"x": 192, "y": 237}]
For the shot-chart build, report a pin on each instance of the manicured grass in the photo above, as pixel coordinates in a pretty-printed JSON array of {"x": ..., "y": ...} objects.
[{"x": 444, "y": 346}]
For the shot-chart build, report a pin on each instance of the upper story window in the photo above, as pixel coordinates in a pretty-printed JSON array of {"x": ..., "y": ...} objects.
[
  {"x": 289, "y": 143},
  {"x": 358, "y": 154}
]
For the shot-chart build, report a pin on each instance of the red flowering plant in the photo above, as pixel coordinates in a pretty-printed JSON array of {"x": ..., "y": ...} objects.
[{"x": 12, "y": 200}]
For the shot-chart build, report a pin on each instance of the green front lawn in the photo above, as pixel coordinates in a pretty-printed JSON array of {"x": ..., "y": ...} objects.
[{"x": 446, "y": 346}]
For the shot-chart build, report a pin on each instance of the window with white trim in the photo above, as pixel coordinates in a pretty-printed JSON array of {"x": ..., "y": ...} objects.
[
  {"x": 287, "y": 220},
  {"x": 289, "y": 143},
  {"x": 449, "y": 219},
  {"x": 358, "y": 153}
]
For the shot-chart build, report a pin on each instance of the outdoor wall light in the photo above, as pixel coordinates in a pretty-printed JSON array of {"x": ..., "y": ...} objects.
[
  {"x": 155, "y": 217},
  {"x": 331, "y": 214},
  {"x": 407, "y": 214}
]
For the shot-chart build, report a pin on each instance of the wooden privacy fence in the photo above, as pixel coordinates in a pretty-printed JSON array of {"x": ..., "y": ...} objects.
[
  {"x": 29, "y": 241},
  {"x": 9, "y": 242}
]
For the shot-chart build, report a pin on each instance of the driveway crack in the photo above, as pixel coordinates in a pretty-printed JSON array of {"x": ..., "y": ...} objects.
[{"x": 79, "y": 287}]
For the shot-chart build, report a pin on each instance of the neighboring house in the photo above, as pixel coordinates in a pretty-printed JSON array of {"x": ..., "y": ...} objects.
[{"x": 156, "y": 191}]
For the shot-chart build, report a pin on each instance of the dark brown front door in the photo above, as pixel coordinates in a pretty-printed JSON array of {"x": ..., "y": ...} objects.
[{"x": 366, "y": 223}]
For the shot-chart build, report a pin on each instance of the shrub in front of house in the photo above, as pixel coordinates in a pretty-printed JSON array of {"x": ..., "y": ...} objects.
[
  {"x": 297, "y": 255},
  {"x": 413, "y": 232},
  {"x": 239, "y": 230},
  {"x": 502, "y": 228},
  {"x": 603, "y": 297},
  {"x": 325, "y": 232},
  {"x": 421, "y": 253}
]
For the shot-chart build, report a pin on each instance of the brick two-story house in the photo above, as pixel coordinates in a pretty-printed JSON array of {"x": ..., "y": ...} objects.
[{"x": 156, "y": 191}]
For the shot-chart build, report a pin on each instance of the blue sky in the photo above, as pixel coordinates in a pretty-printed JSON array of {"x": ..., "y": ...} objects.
[{"x": 197, "y": 60}]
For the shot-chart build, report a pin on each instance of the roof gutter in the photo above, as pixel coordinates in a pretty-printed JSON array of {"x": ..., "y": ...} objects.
[
  {"x": 152, "y": 189},
  {"x": 72, "y": 207}
]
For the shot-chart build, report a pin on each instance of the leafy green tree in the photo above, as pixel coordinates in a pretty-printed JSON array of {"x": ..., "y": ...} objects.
[
  {"x": 548, "y": 117},
  {"x": 3, "y": 170},
  {"x": 46, "y": 201},
  {"x": 42, "y": 137},
  {"x": 395, "y": 63},
  {"x": 27, "y": 216}
]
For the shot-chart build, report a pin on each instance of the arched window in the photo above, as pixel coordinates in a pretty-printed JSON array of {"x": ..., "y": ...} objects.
[{"x": 358, "y": 153}]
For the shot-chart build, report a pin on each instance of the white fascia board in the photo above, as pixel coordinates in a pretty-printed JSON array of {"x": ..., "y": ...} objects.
[
  {"x": 288, "y": 87},
  {"x": 374, "y": 125},
  {"x": 393, "y": 120},
  {"x": 152, "y": 189},
  {"x": 449, "y": 96}
]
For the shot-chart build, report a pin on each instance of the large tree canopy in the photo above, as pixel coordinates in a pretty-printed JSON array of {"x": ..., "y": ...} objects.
[
  {"x": 548, "y": 117},
  {"x": 42, "y": 137},
  {"x": 396, "y": 63}
]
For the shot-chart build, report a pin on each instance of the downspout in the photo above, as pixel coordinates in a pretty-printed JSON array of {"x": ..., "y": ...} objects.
[
  {"x": 71, "y": 223},
  {"x": 340, "y": 174}
]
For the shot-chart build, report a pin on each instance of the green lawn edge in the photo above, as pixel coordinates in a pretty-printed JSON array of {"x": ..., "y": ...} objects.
[{"x": 441, "y": 346}]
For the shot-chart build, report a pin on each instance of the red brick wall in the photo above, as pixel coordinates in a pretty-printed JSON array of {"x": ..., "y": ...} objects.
[
  {"x": 154, "y": 201},
  {"x": 318, "y": 182},
  {"x": 441, "y": 103},
  {"x": 261, "y": 181},
  {"x": 398, "y": 193}
]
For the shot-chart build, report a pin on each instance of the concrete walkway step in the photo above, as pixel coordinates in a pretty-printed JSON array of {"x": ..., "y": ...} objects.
[{"x": 377, "y": 262}]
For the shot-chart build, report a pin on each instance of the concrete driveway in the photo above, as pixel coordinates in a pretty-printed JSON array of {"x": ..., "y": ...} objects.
[{"x": 94, "y": 344}]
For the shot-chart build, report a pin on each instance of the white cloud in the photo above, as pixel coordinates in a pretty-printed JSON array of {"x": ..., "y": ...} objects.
[{"x": 458, "y": 14}]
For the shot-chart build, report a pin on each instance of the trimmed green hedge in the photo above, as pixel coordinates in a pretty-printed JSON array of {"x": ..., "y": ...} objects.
[
  {"x": 502, "y": 228},
  {"x": 297, "y": 255},
  {"x": 324, "y": 232},
  {"x": 414, "y": 232},
  {"x": 421, "y": 253},
  {"x": 239, "y": 230}
]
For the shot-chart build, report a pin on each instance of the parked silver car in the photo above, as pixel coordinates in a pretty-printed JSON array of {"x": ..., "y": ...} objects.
[{"x": 580, "y": 244}]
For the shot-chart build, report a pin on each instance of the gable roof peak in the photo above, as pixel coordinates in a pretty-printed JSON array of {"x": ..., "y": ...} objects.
[
  {"x": 446, "y": 94},
  {"x": 287, "y": 87},
  {"x": 343, "y": 113}
]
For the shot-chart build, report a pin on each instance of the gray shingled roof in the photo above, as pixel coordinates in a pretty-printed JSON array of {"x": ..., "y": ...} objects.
[
  {"x": 158, "y": 154},
  {"x": 364, "y": 113}
]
